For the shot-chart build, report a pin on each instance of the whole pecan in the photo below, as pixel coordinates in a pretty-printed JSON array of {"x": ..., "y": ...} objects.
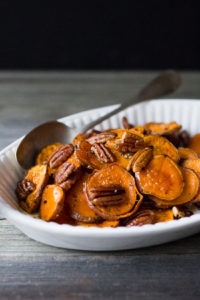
[
  {"x": 60, "y": 155},
  {"x": 67, "y": 175},
  {"x": 106, "y": 195},
  {"x": 129, "y": 143},
  {"x": 103, "y": 154},
  {"x": 24, "y": 188},
  {"x": 101, "y": 137}
]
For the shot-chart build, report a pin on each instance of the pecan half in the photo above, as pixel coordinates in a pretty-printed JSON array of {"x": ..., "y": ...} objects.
[
  {"x": 103, "y": 154},
  {"x": 106, "y": 195},
  {"x": 102, "y": 137},
  {"x": 67, "y": 175},
  {"x": 24, "y": 188},
  {"x": 129, "y": 143},
  {"x": 141, "y": 218},
  {"x": 126, "y": 124},
  {"x": 61, "y": 155}
]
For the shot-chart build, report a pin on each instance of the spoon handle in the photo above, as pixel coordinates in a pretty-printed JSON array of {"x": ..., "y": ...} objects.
[{"x": 166, "y": 82}]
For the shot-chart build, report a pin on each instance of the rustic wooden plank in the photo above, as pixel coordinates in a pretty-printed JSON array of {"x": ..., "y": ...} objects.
[{"x": 102, "y": 275}]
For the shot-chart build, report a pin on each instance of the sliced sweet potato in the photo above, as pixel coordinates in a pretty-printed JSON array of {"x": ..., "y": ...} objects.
[
  {"x": 77, "y": 204},
  {"x": 186, "y": 153},
  {"x": 102, "y": 224},
  {"x": 64, "y": 216},
  {"x": 190, "y": 190},
  {"x": 140, "y": 159},
  {"x": 161, "y": 145},
  {"x": 77, "y": 139},
  {"x": 196, "y": 199},
  {"x": 44, "y": 155},
  {"x": 37, "y": 176},
  {"x": 163, "y": 215},
  {"x": 192, "y": 163},
  {"x": 138, "y": 129},
  {"x": 86, "y": 155},
  {"x": 161, "y": 128},
  {"x": 161, "y": 178},
  {"x": 194, "y": 143},
  {"x": 52, "y": 202},
  {"x": 107, "y": 223},
  {"x": 74, "y": 160},
  {"x": 173, "y": 213},
  {"x": 111, "y": 193}
]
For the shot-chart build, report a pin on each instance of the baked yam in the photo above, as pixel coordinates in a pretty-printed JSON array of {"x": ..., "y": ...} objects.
[
  {"x": 112, "y": 193},
  {"x": 38, "y": 177},
  {"x": 52, "y": 202},
  {"x": 161, "y": 178}
]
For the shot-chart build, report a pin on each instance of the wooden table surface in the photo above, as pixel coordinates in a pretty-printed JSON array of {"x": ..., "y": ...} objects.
[{"x": 31, "y": 270}]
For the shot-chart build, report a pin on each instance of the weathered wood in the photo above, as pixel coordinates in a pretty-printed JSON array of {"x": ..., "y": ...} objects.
[{"x": 31, "y": 270}]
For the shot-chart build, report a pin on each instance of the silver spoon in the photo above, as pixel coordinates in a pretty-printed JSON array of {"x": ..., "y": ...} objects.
[{"x": 54, "y": 131}]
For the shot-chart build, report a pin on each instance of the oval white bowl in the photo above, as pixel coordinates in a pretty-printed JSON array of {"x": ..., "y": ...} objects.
[{"x": 183, "y": 111}]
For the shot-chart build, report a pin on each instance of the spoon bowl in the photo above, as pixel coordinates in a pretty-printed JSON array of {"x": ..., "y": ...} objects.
[{"x": 54, "y": 131}]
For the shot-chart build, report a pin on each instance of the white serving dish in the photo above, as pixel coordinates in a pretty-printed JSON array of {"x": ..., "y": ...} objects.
[{"x": 185, "y": 112}]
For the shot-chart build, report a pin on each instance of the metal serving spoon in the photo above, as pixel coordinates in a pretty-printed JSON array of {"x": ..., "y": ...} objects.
[{"x": 54, "y": 131}]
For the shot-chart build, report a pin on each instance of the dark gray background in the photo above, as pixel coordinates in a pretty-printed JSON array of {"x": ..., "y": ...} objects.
[{"x": 99, "y": 35}]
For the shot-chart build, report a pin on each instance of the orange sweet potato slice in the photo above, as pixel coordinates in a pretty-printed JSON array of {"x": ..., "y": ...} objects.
[
  {"x": 74, "y": 160},
  {"x": 186, "y": 153},
  {"x": 190, "y": 190},
  {"x": 138, "y": 129},
  {"x": 194, "y": 143},
  {"x": 38, "y": 177},
  {"x": 64, "y": 217},
  {"x": 161, "y": 128},
  {"x": 172, "y": 213},
  {"x": 161, "y": 145},
  {"x": 192, "y": 163},
  {"x": 104, "y": 223},
  {"x": 163, "y": 215},
  {"x": 86, "y": 155},
  {"x": 161, "y": 178},
  {"x": 44, "y": 155},
  {"x": 112, "y": 193},
  {"x": 52, "y": 202},
  {"x": 140, "y": 159},
  {"x": 78, "y": 207}
]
